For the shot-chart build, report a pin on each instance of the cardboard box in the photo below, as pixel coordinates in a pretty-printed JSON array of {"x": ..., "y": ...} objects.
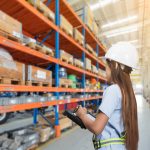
[
  {"x": 38, "y": 74},
  {"x": 101, "y": 72},
  {"x": 89, "y": 48},
  {"x": 9, "y": 24},
  {"x": 78, "y": 63},
  {"x": 94, "y": 69},
  {"x": 88, "y": 64},
  {"x": 46, "y": 11},
  {"x": 89, "y": 17},
  {"x": 12, "y": 69},
  {"x": 78, "y": 36},
  {"x": 95, "y": 28},
  {"x": 66, "y": 25}
]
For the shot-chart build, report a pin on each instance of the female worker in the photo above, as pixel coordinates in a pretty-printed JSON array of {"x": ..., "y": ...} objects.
[{"x": 116, "y": 124}]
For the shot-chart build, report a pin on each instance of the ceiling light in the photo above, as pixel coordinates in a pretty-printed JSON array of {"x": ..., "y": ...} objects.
[
  {"x": 102, "y": 3},
  {"x": 122, "y": 32},
  {"x": 119, "y": 21}
]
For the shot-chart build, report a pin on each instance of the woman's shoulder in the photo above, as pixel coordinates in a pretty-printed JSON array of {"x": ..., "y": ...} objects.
[{"x": 113, "y": 88}]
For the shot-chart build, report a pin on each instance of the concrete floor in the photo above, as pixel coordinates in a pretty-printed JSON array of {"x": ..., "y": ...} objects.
[{"x": 78, "y": 139}]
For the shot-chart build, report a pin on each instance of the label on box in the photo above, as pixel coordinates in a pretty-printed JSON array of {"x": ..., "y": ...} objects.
[{"x": 41, "y": 74}]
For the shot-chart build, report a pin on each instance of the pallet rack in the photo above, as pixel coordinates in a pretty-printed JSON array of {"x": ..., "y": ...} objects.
[{"x": 34, "y": 23}]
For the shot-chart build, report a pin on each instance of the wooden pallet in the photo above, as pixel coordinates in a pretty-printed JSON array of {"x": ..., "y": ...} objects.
[
  {"x": 80, "y": 42},
  {"x": 89, "y": 70},
  {"x": 11, "y": 81},
  {"x": 36, "y": 47},
  {"x": 9, "y": 36},
  {"x": 66, "y": 60},
  {"x": 65, "y": 86},
  {"x": 77, "y": 65},
  {"x": 38, "y": 83}
]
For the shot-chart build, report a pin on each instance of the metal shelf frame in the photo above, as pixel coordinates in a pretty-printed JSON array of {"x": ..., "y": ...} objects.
[{"x": 35, "y": 57}]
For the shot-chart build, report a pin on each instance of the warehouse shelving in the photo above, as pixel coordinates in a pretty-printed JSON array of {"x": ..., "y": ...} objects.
[
  {"x": 35, "y": 57},
  {"x": 35, "y": 23},
  {"x": 30, "y": 14}
]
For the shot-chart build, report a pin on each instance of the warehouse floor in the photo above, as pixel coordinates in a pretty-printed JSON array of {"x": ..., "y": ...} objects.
[{"x": 69, "y": 140}]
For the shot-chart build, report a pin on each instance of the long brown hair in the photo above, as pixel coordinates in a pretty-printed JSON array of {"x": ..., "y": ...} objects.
[{"x": 121, "y": 76}]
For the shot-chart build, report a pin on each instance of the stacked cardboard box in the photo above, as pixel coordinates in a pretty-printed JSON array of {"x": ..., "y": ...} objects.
[
  {"x": 89, "y": 17},
  {"x": 78, "y": 37},
  {"x": 43, "y": 8},
  {"x": 95, "y": 28},
  {"x": 66, "y": 25},
  {"x": 88, "y": 64},
  {"x": 94, "y": 69},
  {"x": 45, "y": 132},
  {"x": 101, "y": 72},
  {"x": 12, "y": 70},
  {"x": 36, "y": 74},
  {"x": 10, "y": 25}
]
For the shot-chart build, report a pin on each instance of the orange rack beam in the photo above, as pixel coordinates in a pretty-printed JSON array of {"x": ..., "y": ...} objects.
[
  {"x": 24, "y": 88},
  {"x": 19, "y": 107}
]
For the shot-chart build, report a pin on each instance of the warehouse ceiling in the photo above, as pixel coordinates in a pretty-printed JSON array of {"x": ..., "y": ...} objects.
[{"x": 122, "y": 20}]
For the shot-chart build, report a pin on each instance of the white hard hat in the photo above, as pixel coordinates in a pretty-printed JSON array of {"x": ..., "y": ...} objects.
[{"x": 124, "y": 53}]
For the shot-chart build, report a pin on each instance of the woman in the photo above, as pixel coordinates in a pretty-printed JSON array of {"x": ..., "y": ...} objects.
[{"x": 116, "y": 124}]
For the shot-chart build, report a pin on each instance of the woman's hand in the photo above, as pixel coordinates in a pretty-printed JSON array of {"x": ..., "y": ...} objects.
[{"x": 81, "y": 111}]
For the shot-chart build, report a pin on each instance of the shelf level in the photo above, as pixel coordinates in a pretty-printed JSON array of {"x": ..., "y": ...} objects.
[
  {"x": 34, "y": 57},
  {"x": 20, "y": 107}
]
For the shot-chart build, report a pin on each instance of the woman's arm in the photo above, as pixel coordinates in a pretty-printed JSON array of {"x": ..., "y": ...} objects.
[{"x": 96, "y": 126}]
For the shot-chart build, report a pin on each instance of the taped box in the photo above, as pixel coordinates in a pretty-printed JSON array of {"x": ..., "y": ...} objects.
[
  {"x": 101, "y": 72},
  {"x": 78, "y": 37},
  {"x": 11, "y": 72},
  {"x": 88, "y": 65},
  {"x": 9, "y": 24},
  {"x": 89, "y": 48},
  {"x": 66, "y": 25},
  {"x": 38, "y": 76}
]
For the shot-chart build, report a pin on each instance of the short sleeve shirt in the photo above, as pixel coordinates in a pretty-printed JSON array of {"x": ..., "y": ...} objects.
[{"x": 112, "y": 107}]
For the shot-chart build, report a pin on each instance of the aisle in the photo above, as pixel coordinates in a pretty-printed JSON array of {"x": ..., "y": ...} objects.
[{"x": 78, "y": 139}]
